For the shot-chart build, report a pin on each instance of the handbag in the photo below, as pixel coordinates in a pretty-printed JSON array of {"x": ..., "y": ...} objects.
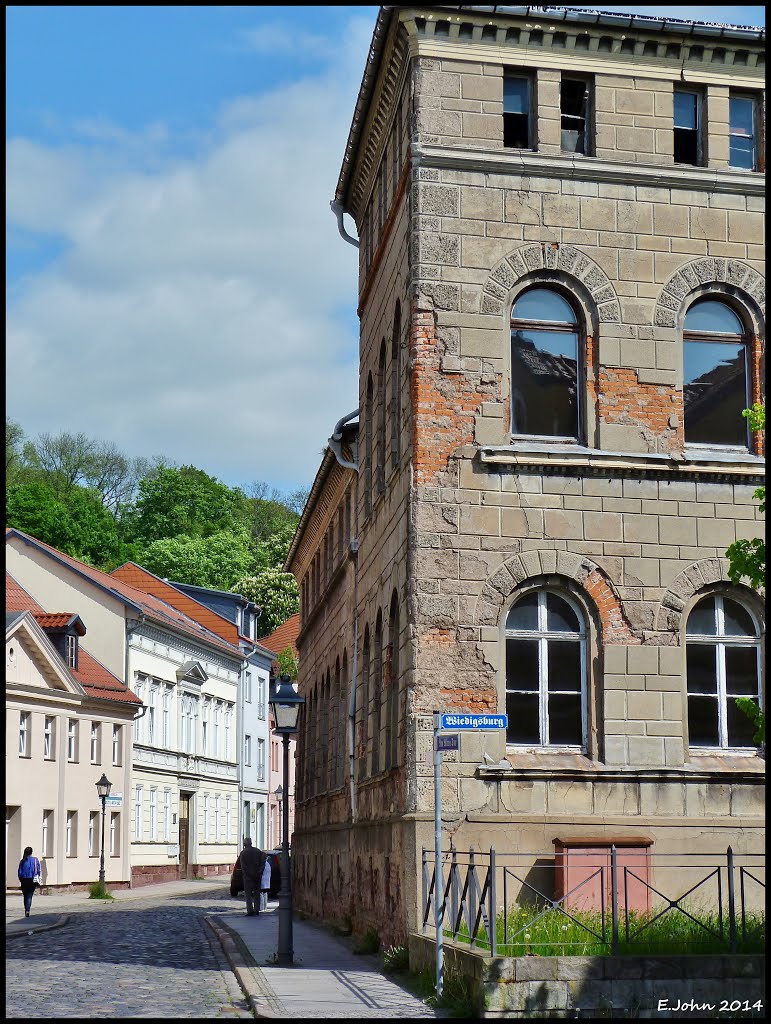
[{"x": 36, "y": 881}]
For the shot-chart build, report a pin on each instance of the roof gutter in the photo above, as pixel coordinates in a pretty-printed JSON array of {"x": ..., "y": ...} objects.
[
  {"x": 339, "y": 212},
  {"x": 335, "y": 442}
]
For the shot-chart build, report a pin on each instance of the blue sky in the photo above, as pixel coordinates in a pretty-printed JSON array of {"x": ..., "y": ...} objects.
[{"x": 176, "y": 282}]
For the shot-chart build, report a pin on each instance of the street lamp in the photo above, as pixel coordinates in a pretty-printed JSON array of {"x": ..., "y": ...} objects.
[
  {"x": 103, "y": 788},
  {"x": 286, "y": 704}
]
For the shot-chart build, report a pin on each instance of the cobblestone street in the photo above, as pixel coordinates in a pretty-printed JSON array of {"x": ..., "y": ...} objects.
[{"x": 140, "y": 959}]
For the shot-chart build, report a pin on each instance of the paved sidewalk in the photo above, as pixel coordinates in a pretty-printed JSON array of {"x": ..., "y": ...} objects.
[{"x": 327, "y": 979}]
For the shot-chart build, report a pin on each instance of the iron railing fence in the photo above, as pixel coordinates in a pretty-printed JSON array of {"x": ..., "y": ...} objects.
[{"x": 496, "y": 901}]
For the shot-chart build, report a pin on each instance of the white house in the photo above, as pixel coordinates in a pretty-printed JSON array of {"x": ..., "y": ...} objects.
[{"x": 183, "y": 798}]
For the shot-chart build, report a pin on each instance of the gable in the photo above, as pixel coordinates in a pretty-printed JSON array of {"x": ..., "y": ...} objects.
[
  {"x": 31, "y": 659},
  {"x": 193, "y": 672}
]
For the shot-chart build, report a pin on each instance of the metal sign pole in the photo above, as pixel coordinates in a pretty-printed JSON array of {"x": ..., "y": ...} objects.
[{"x": 438, "y": 880}]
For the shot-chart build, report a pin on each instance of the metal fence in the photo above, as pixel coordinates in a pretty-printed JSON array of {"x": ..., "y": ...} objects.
[{"x": 506, "y": 904}]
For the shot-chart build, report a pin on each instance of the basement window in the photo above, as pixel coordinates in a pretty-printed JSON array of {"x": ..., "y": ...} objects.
[
  {"x": 687, "y": 127},
  {"x": 517, "y": 120},
  {"x": 574, "y": 111}
]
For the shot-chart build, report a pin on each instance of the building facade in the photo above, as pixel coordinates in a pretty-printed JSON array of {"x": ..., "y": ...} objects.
[
  {"x": 282, "y": 638},
  {"x": 68, "y": 721},
  {"x": 182, "y": 805},
  {"x": 560, "y": 221},
  {"x": 254, "y": 779}
]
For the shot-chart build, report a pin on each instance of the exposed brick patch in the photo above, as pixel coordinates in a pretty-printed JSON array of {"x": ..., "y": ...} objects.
[
  {"x": 445, "y": 637},
  {"x": 615, "y": 625},
  {"x": 477, "y": 701},
  {"x": 444, "y": 407},
  {"x": 656, "y": 408}
]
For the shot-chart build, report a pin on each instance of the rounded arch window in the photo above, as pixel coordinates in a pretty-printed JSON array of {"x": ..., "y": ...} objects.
[
  {"x": 715, "y": 375},
  {"x": 722, "y": 664},
  {"x": 544, "y": 365},
  {"x": 546, "y": 671}
]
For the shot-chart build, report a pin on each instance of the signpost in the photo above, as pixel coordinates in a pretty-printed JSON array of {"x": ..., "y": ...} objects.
[{"x": 444, "y": 740}]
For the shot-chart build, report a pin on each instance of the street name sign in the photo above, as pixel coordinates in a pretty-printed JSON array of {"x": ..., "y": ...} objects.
[
  {"x": 472, "y": 722},
  {"x": 447, "y": 741}
]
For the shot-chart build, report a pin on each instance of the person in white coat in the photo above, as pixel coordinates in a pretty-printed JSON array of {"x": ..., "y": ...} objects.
[{"x": 265, "y": 885}]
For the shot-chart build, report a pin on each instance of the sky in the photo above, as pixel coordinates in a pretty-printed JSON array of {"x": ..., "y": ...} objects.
[{"x": 176, "y": 283}]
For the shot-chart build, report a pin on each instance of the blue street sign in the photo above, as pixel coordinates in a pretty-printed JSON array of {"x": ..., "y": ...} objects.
[
  {"x": 471, "y": 722},
  {"x": 447, "y": 741}
]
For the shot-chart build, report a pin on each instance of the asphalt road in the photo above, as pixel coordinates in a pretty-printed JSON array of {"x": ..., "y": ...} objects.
[{"x": 145, "y": 958}]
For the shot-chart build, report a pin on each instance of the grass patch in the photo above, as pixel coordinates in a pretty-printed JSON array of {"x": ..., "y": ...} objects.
[
  {"x": 456, "y": 997},
  {"x": 396, "y": 960},
  {"x": 368, "y": 943},
  {"x": 99, "y": 891},
  {"x": 585, "y": 934}
]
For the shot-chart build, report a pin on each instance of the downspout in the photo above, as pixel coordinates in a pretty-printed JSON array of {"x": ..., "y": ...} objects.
[
  {"x": 337, "y": 209},
  {"x": 335, "y": 446}
]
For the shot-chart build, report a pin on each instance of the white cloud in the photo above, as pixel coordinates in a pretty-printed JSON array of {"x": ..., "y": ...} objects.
[
  {"x": 203, "y": 309},
  {"x": 278, "y": 39}
]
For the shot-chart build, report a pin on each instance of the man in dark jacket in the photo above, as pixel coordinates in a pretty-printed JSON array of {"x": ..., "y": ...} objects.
[{"x": 252, "y": 863}]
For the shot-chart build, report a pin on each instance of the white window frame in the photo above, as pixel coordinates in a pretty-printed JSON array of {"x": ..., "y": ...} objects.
[
  {"x": 205, "y": 728},
  {"x": 247, "y": 750},
  {"x": 153, "y": 814},
  {"x": 71, "y": 834},
  {"x": 217, "y": 818},
  {"x": 248, "y": 687},
  {"x": 117, "y": 745},
  {"x": 206, "y": 819},
  {"x": 261, "y": 759},
  {"x": 139, "y": 813},
  {"x": 72, "y": 739},
  {"x": 166, "y": 717},
  {"x": 96, "y": 744},
  {"x": 72, "y": 650},
  {"x": 228, "y": 820},
  {"x": 93, "y": 830},
  {"x": 49, "y": 738},
  {"x": 114, "y": 833},
  {"x": 261, "y": 710},
  {"x": 167, "y": 815},
  {"x": 544, "y": 638},
  {"x": 25, "y": 720},
  {"x": 721, "y": 640},
  {"x": 151, "y": 701},
  {"x": 139, "y": 725},
  {"x": 47, "y": 833},
  {"x": 226, "y": 752},
  {"x": 216, "y": 736}
]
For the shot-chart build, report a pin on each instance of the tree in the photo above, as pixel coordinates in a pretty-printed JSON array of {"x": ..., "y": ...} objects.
[
  {"x": 271, "y": 512},
  {"x": 214, "y": 561},
  {"x": 80, "y": 525},
  {"x": 186, "y": 502},
  {"x": 14, "y": 444},
  {"x": 287, "y": 663},
  {"x": 275, "y": 592}
]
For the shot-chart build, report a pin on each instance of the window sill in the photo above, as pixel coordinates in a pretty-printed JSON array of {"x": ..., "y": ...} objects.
[{"x": 559, "y": 456}]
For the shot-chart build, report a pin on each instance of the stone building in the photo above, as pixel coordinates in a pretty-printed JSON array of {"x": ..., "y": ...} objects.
[{"x": 560, "y": 230}]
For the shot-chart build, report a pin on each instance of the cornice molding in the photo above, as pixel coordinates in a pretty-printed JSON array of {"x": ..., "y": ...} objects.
[{"x": 526, "y": 164}]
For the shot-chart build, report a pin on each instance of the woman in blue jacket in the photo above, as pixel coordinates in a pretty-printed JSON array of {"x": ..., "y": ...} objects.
[{"x": 29, "y": 877}]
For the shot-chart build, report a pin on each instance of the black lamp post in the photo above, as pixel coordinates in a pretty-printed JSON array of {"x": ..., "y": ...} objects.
[
  {"x": 103, "y": 788},
  {"x": 286, "y": 704},
  {"x": 278, "y": 792}
]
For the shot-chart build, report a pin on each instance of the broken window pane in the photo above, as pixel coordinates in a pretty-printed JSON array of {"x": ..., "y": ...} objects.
[
  {"x": 574, "y": 103},
  {"x": 516, "y": 113}
]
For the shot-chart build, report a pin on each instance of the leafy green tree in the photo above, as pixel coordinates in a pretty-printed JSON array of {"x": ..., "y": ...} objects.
[
  {"x": 187, "y": 502},
  {"x": 14, "y": 446},
  {"x": 275, "y": 592},
  {"x": 271, "y": 512},
  {"x": 214, "y": 561},
  {"x": 287, "y": 663},
  {"x": 79, "y": 526},
  {"x": 271, "y": 553}
]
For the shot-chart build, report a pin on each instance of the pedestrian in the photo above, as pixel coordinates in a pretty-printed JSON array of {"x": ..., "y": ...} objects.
[
  {"x": 29, "y": 877},
  {"x": 265, "y": 884},
  {"x": 252, "y": 864}
]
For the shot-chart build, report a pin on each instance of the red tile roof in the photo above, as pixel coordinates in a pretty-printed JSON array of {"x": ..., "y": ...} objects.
[
  {"x": 59, "y": 620},
  {"x": 94, "y": 677},
  {"x": 284, "y": 636},
  {"x": 152, "y": 607},
  {"x": 139, "y": 577}
]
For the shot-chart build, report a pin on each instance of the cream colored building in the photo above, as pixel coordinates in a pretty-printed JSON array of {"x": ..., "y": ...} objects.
[
  {"x": 181, "y": 806},
  {"x": 68, "y": 721}
]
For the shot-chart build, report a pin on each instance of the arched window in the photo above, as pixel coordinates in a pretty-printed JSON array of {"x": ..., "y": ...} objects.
[
  {"x": 377, "y": 693},
  {"x": 396, "y": 384},
  {"x": 381, "y": 425},
  {"x": 722, "y": 645},
  {"x": 545, "y": 364},
  {"x": 362, "y": 707},
  {"x": 546, "y": 671},
  {"x": 715, "y": 375},
  {"x": 392, "y": 712},
  {"x": 369, "y": 426}
]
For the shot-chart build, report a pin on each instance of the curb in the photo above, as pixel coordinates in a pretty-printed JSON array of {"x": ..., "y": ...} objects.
[
  {"x": 261, "y": 998},
  {"x": 31, "y": 929}
]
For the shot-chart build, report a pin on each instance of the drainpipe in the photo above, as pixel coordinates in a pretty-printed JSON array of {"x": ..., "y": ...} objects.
[
  {"x": 337, "y": 209},
  {"x": 335, "y": 446}
]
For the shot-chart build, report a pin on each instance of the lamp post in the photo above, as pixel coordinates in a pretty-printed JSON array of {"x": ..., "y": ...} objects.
[
  {"x": 103, "y": 788},
  {"x": 286, "y": 704}
]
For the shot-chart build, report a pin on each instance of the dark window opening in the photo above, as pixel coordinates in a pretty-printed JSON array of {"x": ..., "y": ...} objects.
[
  {"x": 516, "y": 113},
  {"x": 687, "y": 127},
  {"x": 490, "y": 32},
  {"x": 582, "y": 41},
  {"x": 650, "y": 49},
  {"x": 574, "y": 108},
  {"x": 536, "y": 36},
  {"x": 627, "y": 45},
  {"x": 696, "y": 53},
  {"x": 605, "y": 44},
  {"x": 466, "y": 31},
  {"x": 442, "y": 28},
  {"x": 560, "y": 39},
  {"x": 718, "y": 56},
  {"x": 715, "y": 384},
  {"x": 673, "y": 50},
  {"x": 740, "y": 57},
  {"x": 512, "y": 35}
]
